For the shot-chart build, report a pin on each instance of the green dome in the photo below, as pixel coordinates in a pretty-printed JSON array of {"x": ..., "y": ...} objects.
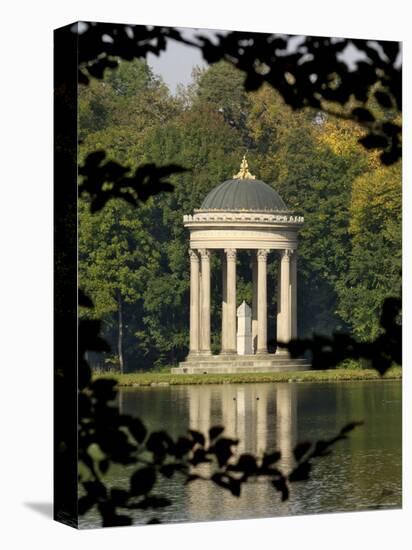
[{"x": 244, "y": 194}]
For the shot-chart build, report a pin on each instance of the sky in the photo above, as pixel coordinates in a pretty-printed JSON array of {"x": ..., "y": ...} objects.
[{"x": 176, "y": 63}]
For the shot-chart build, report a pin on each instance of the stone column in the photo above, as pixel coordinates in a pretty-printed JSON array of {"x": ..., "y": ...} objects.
[
  {"x": 286, "y": 422},
  {"x": 254, "y": 302},
  {"x": 224, "y": 304},
  {"x": 261, "y": 420},
  {"x": 279, "y": 312},
  {"x": 200, "y": 308},
  {"x": 194, "y": 303},
  {"x": 284, "y": 316},
  {"x": 230, "y": 331},
  {"x": 262, "y": 301},
  {"x": 293, "y": 295},
  {"x": 205, "y": 306}
]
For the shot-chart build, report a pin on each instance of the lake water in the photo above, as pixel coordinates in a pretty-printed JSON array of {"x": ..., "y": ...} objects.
[{"x": 364, "y": 472}]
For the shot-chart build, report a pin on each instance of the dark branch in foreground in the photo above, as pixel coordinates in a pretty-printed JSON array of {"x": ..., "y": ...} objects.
[
  {"x": 107, "y": 437},
  {"x": 107, "y": 179},
  {"x": 307, "y": 73},
  {"x": 312, "y": 75},
  {"x": 381, "y": 354}
]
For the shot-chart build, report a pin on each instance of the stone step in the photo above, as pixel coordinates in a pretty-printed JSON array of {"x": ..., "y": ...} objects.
[
  {"x": 217, "y": 359},
  {"x": 232, "y": 368},
  {"x": 211, "y": 365},
  {"x": 270, "y": 362}
]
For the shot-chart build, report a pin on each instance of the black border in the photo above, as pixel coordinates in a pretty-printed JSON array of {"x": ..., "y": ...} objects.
[{"x": 65, "y": 275}]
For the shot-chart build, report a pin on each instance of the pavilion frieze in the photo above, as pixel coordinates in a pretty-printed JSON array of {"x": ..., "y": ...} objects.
[{"x": 260, "y": 217}]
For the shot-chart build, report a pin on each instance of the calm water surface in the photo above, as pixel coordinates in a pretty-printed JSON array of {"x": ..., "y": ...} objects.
[{"x": 363, "y": 473}]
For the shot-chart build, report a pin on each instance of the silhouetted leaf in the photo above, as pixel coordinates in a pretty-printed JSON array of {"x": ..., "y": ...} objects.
[
  {"x": 281, "y": 486},
  {"x": 390, "y": 129},
  {"x": 271, "y": 458},
  {"x": 384, "y": 99},
  {"x": 199, "y": 456},
  {"x": 246, "y": 463},
  {"x": 104, "y": 465},
  {"x": 103, "y": 389},
  {"x": 301, "y": 472},
  {"x": 198, "y": 437},
  {"x": 373, "y": 141},
  {"x": 142, "y": 481},
  {"x": 183, "y": 446},
  {"x": 119, "y": 496},
  {"x": 137, "y": 429},
  {"x": 95, "y": 489},
  {"x": 227, "y": 482},
  {"x": 85, "y": 503},
  {"x": 223, "y": 449},
  {"x": 89, "y": 336},
  {"x": 159, "y": 443},
  {"x": 301, "y": 449},
  {"x": 362, "y": 114},
  {"x": 321, "y": 448},
  {"x": 106, "y": 179},
  {"x": 84, "y": 300},
  {"x": 215, "y": 431}
]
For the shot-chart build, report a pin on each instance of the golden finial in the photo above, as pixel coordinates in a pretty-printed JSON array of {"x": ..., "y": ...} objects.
[{"x": 244, "y": 173}]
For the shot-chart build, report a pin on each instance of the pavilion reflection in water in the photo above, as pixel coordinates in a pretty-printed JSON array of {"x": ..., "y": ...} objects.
[
  {"x": 363, "y": 472},
  {"x": 262, "y": 418}
]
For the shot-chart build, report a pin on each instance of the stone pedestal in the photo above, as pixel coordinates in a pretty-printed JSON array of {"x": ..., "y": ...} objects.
[
  {"x": 254, "y": 302},
  {"x": 284, "y": 317},
  {"x": 244, "y": 330}
]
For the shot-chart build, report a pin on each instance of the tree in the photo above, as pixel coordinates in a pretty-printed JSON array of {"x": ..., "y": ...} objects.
[
  {"x": 299, "y": 152},
  {"x": 220, "y": 87},
  {"x": 308, "y": 74},
  {"x": 375, "y": 260},
  {"x": 114, "y": 274},
  {"x": 298, "y": 88},
  {"x": 200, "y": 140},
  {"x": 311, "y": 158}
]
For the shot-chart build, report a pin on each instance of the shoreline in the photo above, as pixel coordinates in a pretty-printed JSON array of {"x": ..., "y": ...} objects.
[{"x": 138, "y": 379}]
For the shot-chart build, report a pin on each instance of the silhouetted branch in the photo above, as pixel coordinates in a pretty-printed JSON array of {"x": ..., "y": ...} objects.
[
  {"x": 123, "y": 439},
  {"x": 104, "y": 180},
  {"x": 381, "y": 354},
  {"x": 309, "y": 72}
]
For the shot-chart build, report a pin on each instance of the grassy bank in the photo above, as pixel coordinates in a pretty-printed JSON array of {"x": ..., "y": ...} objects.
[{"x": 334, "y": 375}]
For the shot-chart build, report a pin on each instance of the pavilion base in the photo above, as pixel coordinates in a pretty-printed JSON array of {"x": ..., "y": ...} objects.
[{"x": 221, "y": 364}]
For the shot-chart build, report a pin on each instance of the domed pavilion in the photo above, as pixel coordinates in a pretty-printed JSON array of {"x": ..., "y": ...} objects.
[{"x": 242, "y": 213}]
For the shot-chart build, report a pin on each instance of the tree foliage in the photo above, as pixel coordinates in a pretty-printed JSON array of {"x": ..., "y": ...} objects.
[
  {"x": 309, "y": 72},
  {"x": 312, "y": 159},
  {"x": 375, "y": 259},
  {"x": 120, "y": 438}
]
